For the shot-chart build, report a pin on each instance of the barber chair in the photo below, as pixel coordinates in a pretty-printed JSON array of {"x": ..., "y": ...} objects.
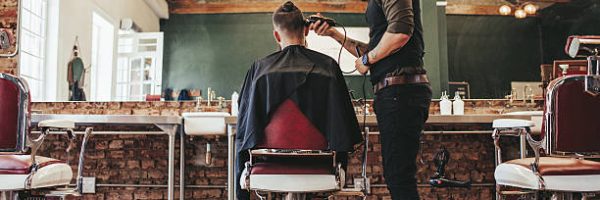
[
  {"x": 293, "y": 159},
  {"x": 569, "y": 139},
  {"x": 21, "y": 170}
]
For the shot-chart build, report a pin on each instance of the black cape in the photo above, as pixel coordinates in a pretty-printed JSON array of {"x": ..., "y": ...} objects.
[{"x": 313, "y": 81}]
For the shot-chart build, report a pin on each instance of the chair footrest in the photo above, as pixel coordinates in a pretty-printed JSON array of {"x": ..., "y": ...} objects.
[
  {"x": 303, "y": 183},
  {"x": 290, "y": 152},
  {"x": 350, "y": 192}
]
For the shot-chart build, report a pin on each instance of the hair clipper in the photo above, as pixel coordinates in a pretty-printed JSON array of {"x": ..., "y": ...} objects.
[{"x": 314, "y": 19}]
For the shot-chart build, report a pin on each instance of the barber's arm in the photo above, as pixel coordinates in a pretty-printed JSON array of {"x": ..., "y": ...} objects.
[
  {"x": 400, "y": 17},
  {"x": 390, "y": 43}
]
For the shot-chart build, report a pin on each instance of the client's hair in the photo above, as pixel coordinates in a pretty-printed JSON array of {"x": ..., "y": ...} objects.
[{"x": 289, "y": 19}]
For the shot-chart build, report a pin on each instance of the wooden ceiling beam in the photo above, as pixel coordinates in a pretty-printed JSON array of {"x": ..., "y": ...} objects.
[
  {"x": 191, "y": 7},
  {"x": 453, "y": 7},
  {"x": 550, "y": 1},
  {"x": 470, "y": 9},
  {"x": 464, "y": 9}
]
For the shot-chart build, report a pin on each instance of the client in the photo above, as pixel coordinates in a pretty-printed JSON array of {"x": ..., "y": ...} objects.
[{"x": 313, "y": 81}]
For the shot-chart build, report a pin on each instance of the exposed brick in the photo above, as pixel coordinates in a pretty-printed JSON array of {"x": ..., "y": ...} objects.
[
  {"x": 116, "y": 154},
  {"x": 133, "y": 164},
  {"x": 147, "y": 164},
  {"x": 156, "y": 174},
  {"x": 116, "y": 144},
  {"x": 101, "y": 145},
  {"x": 207, "y": 193},
  {"x": 142, "y": 159}
]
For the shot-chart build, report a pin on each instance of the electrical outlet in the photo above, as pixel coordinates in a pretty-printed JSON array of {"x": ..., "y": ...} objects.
[
  {"x": 359, "y": 183},
  {"x": 88, "y": 185}
]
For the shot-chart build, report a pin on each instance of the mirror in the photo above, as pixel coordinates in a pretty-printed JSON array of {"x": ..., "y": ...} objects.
[
  {"x": 129, "y": 51},
  {"x": 87, "y": 50},
  {"x": 501, "y": 55}
]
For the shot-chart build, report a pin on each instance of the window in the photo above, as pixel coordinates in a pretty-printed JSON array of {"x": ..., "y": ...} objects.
[
  {"x": 33, "y": 45},
  {"x": 102, "y": 58},
  {"x": 139, "y": 69}
]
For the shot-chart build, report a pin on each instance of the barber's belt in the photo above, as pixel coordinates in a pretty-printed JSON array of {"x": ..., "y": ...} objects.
[{"x": 400, "y": 80}]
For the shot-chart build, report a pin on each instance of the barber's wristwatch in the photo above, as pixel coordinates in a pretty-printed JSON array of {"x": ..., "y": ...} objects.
[{"x": 365, "y": 60}]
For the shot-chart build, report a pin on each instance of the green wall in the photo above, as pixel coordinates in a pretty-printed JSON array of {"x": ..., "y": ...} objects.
[
  {"x": 216, "y": 50},
  {"x": 491, "y": 51}
]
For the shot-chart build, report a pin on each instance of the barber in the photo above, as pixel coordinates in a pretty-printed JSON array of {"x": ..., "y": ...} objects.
[{"x": 394, "y": 58}]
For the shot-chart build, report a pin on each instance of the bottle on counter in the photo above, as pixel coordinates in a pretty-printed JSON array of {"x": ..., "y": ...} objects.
[
  {"x": 458, "y": 105},
  {"x": 234, "y": 103},
  {"x": 445, "y": 105}
]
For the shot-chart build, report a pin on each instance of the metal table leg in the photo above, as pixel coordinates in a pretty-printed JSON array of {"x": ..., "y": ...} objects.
[
  {"x": 523, "y": 143},
  {"x": 182, "y": 165},
  {"x": 231, "y": 163},
  {"x": 171, "y": 131}
]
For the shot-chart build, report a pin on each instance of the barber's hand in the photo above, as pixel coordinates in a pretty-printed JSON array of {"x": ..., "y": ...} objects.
[
  {"x": 321, "y": 28},
  {"x": 362, "y": 69}
]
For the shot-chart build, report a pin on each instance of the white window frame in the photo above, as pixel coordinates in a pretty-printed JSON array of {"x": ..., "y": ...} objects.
[
  {"x": 102, "y": 57},
  {"x": 32, "y": 57}
]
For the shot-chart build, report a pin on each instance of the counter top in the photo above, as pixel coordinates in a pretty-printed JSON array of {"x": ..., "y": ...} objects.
[
  {"x": 434, "y": 119},
  {"x": 108, "y": 119}
]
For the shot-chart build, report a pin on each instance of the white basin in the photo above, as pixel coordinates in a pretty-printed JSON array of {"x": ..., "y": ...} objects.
[
  {"x": 204, "y": 123},
  {"x": 536, "y": 118}
]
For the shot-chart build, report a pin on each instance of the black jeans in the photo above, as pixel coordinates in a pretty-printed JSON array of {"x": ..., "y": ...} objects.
[{"x": 401, "y": 114}]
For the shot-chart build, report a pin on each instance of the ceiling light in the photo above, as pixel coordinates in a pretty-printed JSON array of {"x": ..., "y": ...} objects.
[
  {"x": 520, "y": 14},
  {"x": 505, "y": 10},
  {"x": 530, "y": 9}
]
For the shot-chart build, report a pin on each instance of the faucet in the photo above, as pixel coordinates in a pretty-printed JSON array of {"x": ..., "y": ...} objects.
[
  {"x": 208, "y": 95},
  {"x": 511, "y": 97},
  {"x": 527, "y": 94},
  {"x": 221, "y": 104},
  {"x": 198, "y": 103}
]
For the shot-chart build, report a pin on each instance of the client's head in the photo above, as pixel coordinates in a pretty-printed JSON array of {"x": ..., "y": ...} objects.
[{"x": 288, "y": 24}]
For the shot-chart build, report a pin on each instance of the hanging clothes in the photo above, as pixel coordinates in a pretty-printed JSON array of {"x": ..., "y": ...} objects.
[{"x": 75, "y": 77}]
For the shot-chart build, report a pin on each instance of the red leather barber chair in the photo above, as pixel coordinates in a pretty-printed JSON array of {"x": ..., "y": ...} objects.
[
  {"x": 293, "y": 158},
  {"x": 570, "y": 138},
  {"x": 21, "y": 170}
]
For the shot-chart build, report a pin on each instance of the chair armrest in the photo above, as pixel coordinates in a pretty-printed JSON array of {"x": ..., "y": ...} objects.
[
  {"x": 46, "y": 126},
  {"x": 508, "y": 127},
  {"x": 512, "y": 124},
  {"x": 57, "y": 124}
]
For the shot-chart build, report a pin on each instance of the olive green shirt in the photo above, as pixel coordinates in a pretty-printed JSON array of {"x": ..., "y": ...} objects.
[{"x": 399, "y": 15}]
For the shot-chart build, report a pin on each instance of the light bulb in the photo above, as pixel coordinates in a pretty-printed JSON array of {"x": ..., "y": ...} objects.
[
  {"x": 520, "y": 14},
  {"x": 505, "y": 10},
  {"x": 530, "y": 9}
]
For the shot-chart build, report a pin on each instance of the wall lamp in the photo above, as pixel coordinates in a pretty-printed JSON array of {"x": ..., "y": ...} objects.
[{"x": 521, "y": 9}]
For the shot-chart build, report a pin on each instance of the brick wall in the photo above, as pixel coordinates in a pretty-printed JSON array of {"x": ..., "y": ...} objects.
[
  {"x": 8, "y": 22},
  {"x": 142, "y": 159}
]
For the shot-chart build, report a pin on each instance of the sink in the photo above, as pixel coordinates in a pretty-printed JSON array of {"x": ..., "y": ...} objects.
[
  {"x": 536, "y": 118},
  {"x": 204, "y": 123}
]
